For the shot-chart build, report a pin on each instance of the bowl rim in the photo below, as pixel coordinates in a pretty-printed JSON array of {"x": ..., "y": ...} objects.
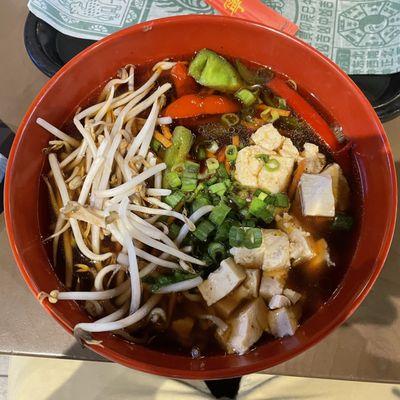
[{"x": 227, "y": 372}]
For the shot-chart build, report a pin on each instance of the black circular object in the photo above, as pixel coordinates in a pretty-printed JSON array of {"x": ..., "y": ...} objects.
[{"x": 50, "y": 49}]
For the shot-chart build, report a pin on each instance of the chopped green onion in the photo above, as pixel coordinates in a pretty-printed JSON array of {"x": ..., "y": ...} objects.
[
  {"x": 249, "y": 223},
  {"x": 263, "y": 157},
  {"x": 218, "y": 188},
  {"x": 215, "y": 199},
  {"x": 282, "y": 103},
  {"x": 236, "y": 236},
  {"x": 174, "y": 198},
  {"x": 231, "y": 152},
  {"x": 155, "y": 145},
  {"x": 188, "y": 184},
  {"x": 228, "y": 183},
  {"x": 262, "y": 196},
  {"x": 342, "y": 222},
  {"x": 237, "y": 200},
  {"x": 219, "y": 213},
  {"x": 216, "y": 251},
  {"x": 230, "y": 119},
  {"x": 270, "y": 200},
  {"x": 246, "y": 97},
  {"x": 199, "y": 202},
  {"x": 212, "y": 164},
  {"x": 203, "y": 230},
  {"x": 172, "y": 180},
  {"x": 201, "y": 153},
  {"x": 252, "y": 238},
  {"x": 269, "y": 115},
  {"x": 272, "y": 165},
  {"x": 256, "y": 206},
  {"x": 212, "y": 147},
  {"x": 281, "y": 200},
  {"x": 191, "y": 167},
  {"x": 212, "y": 180},
  {"x": 179, "y": 168},
  {"x": 245, "y": 213},
  {"x": 222, "y": 172},
  {"x": 174, "y": 230},
  {"x": 222, "y": 232},
  {"x": 258, "y": 209},
  {"x": 165, "y": 280}
]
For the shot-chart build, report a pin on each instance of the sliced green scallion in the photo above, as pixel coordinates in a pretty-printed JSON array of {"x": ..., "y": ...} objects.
[
  {"x": 252, "y": 238},
  {"x": 236, "y": 236},
  {"x": 216, "y": 251},
  {"x": 246, "y": 97},
  {"x": 218, "y": 188},
  {"x": 174, "y": 198},
  {"x": 172, "y": 180},
  {"x": 219, "y": 213},
  {"x": 231, "y": 152},
  {"x": 230, "y": 119},
  {"x": 203, "y": 230},
  {"x": 212, "y": 164}
]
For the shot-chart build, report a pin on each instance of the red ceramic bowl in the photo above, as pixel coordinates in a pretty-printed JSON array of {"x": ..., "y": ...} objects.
[{"x": 176, "y": 36}]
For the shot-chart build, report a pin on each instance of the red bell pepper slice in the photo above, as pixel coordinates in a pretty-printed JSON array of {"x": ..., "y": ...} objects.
[
  {"x": 194, "y": 105},
  {"x": 304, "y": 110},
  {"x": 183, "y": 83}
]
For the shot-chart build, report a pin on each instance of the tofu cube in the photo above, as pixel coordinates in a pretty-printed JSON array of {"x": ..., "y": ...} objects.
[
  {"x": 276, "y": 254},
  {"x": 251, "y": 172},
  {"x": 314, "y": 160},
  {"x": 222, "y": 281},
  {"x": 288, "y": 149},
  {"x": 249, "y": 258},
  {"x": 248, "y": 166},
  {"x": 273, "y": 252},
  {"x": 268, "y": 137},
  {"x": 292, "y": 295},
  {"x": 282, "y": 322},
  {"x": 247, "y": 326},
  {"x": 247, "y": 290},
  {"x": 279, "y": 301},
  {"x": 277, "y": 181},
  {"x": 251, "y": 285},
  {"x": 269, "y": 287},
  {"x": 340, "y": 186},
  {"x": 300, "y": 247},
  {"x": 300, "y": 241},
  {"x": 316, "y": 195}
]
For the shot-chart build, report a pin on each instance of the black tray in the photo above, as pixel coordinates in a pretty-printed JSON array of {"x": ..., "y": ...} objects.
[{"x": 50, "y": 49}]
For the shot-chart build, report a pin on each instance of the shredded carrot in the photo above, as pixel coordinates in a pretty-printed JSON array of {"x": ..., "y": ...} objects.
[
  {"x": 162, "y": 139},
  {"x": 261, "y": 107},
  {"x": 209, "y": 154},
  {"x": 296, "y": 178},
  {"x": 227, "y": 166},
  {"x": 166, "y": 131},
  {"x": 279, "y": 111},
  {"x": 235, "y": 140},
  {"x": 221, "y": 155}
]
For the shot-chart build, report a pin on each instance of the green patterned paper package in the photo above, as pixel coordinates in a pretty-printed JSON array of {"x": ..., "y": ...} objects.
[{"x": 362, "y": 36}]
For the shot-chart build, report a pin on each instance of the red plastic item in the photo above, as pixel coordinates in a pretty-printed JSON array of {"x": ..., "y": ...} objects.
[
  {"x": 256, "y": 11},
  {"x": 193, "y": 105},
  {"x": 183, "y": 83},
  {"x": 25, "y": 204}
]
